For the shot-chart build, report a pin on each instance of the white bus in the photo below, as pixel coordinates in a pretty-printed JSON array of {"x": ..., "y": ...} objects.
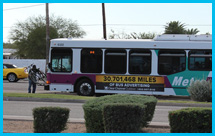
[{"x": 165, "y": 65}]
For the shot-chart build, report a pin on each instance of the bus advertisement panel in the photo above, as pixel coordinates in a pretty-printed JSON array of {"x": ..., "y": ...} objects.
[{"x": 130, "y": 83}]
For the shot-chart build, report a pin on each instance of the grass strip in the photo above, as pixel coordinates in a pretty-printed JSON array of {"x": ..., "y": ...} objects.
[{"x": 53, "y": 96}]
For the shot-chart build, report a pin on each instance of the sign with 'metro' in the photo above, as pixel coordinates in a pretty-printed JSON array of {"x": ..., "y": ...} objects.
[{"x": 130, "y": 83}]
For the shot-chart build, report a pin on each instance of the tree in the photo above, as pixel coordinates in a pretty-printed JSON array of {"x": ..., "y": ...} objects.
[
  {"x": 9, "y": 45},
  {"x": 192, "y": 31},
  {"x": 143, "y": 35},
  {"x": 176, "y": 27},
  {"x": 132, "y": 35},
  {"x": 121, "y": 35},
  {"x": 38, "y": 36},
  {"x": 30, "y": 35}
]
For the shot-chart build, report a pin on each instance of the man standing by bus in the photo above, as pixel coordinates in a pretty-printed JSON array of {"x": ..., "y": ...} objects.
[{"x": 32, "y": 78}]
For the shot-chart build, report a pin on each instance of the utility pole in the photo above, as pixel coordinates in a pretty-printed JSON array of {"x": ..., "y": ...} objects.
[
  {"x": 104, "y": 21},
  {"x": 47, "y": 35}
]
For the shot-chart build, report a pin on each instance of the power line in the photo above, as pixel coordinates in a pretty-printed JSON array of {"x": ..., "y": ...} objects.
[
  {"x": 131, "y": 25},
  {"x": 23, "y": 7}
]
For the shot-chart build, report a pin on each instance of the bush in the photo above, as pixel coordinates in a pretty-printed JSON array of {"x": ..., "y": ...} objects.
[
  {"x": 93, "y": 109},
  {"x": 122, "y": 118},
  {"x": 201, "y": 90},
  {"x": 50, "y": 119},
  {"x": 191, "y": 120}
]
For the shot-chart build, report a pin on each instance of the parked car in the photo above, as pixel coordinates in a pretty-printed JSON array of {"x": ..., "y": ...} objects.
[{"x": 12, "y": 73}]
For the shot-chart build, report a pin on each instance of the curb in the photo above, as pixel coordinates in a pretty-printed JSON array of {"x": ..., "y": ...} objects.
[
  {"x": 185, "y": 104},
  {"x": 83, "y": 101},
  {"x": 30, "y": 118}
]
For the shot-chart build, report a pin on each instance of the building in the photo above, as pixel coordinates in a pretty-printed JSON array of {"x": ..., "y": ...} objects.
[{"x": 9, "y": 54}]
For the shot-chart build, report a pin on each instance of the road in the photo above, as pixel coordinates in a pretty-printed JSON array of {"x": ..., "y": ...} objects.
[
  {"x": 20, "y": 87},
  {"x": 21, "y": 109}
]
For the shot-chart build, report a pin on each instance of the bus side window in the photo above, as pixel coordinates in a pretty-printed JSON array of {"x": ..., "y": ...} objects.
[
  {"x": 115, "y": 61},
  {"x": 91, "y": 60},
  {"x": 171, "y": 61},
  {"x": 200, "y": 60},
  {"x": 140, "y": 62}
]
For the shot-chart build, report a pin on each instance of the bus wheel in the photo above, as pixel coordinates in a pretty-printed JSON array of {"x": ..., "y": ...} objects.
[{"x": 85, "y": 88}]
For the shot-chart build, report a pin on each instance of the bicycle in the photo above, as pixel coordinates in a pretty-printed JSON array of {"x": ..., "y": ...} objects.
[{"x": 38, "y": 77}]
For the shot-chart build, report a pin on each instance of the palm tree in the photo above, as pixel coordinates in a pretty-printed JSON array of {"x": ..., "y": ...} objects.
[
  {"x": 175, "y": 27},
  {"x": 192, "y": 31},
  {"x": 143, "y": 35}
]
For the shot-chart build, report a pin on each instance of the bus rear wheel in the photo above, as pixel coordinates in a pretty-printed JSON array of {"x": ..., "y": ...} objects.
[{"x": 85, "y": 88}]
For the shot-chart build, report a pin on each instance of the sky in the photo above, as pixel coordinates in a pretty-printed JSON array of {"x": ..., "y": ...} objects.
[{"x": 120, "y": 17}]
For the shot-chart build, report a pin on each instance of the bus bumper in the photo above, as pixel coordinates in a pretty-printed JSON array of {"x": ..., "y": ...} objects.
[{"x": 46, "y": 87}]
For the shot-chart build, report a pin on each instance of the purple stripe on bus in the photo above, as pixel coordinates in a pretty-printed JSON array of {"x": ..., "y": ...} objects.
[
  {"x": 69, "y": 79},
  {"x": 209, "y": 78},
  {"x": 48, "y": 77},
  {"x": 167, "y": 83},
  {"x": 92, "y": 77}
]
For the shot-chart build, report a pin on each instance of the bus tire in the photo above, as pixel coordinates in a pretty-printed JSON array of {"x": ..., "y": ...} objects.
[{"x": 85, "y": 88}]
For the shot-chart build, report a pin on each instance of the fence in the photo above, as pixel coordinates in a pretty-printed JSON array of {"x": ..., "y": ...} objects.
[{"x": 40, "y": 63}]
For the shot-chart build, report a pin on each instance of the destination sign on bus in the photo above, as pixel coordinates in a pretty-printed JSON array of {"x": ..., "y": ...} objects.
[{"x": 130, "y": 83}]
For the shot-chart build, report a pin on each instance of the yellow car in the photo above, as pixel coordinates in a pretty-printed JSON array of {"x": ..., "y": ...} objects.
[{"x": 13, "y": 74}]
